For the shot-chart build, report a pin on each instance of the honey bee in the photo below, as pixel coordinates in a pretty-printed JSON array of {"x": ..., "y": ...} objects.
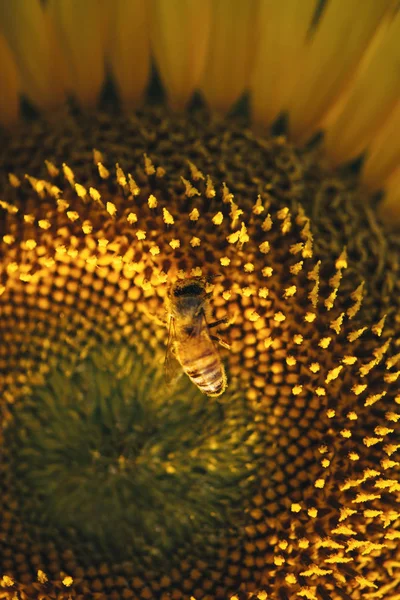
[{"x": 191, "y": 348}]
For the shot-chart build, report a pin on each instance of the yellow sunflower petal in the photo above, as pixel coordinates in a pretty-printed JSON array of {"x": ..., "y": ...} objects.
[
  {"x": 25, "y": 27},
  {"x": 80, "y": 29},
  {"x": 231, "y": 52},
  {"x": 384, "y": 152},
  {"x": 180, "y": 33},
  {"x": 128, "y": 48},
  {"x": 373, "y": 96},
  {"x": 282, "y": 30},
  {"x": 9, "y": 102},
  {"x": 390, "y": 207},
  {"x": 329, "y": 63}
]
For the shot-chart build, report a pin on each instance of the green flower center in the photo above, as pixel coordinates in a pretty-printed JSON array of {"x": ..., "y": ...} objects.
[{"x": 136, "y": 467}]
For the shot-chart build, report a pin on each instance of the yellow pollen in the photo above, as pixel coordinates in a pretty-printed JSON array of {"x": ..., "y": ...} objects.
[
  {"x": 349, "y": 360},
  {"x": 333, "y": 374},
  {"x": 296, "y": 268},
  {"x": 296, "y": 508},
  {"x": 68, "y": 581},
  {"x": 195, "y": 241},
  {"x": 10, "y": 208},
  {"x": 249, "y": 267},
  {"x": 298, "y": 339},
  {"x": 194, "y": 215},
  {"x": 357, "y": 296},
  {"x": 264, "y": 247},
  {"x": 121, "y": 178},
  {"x": 72, "y": 215},
  {"x": 378, "y": 328},
  {"x": 68, "y": 174},
  {"x": 341, "y": 262},
  {"x": 133, "y": 187},
  {"x": 167, "y": 217},
  {"x": 291, "y": 361},
  {"x": 320, "y": 391},
  {"x": 87, "y": 227},
  {"x": 175, "y": 243},
  {"x": 194, "y": 171},
  {"x": 30, "y": 244},
  {"x": 210, "y": 190},
  {"x": 141, "y": 235},
  {"x": 263, "y": 292},
  {"x": 97, "y": 156},
  {"x": 227, "y": 197},
  {"x": 42, "y": 577},
  {"x": 132, "y": 218},
  {"x": 226, "y": 294},
  {"x": 8, "y": 239},
  {"x": 148, "y": 166},
  {"x": 14, "y": 180},
  {"x": 352, "y": 416},
  {"x": 62, "y": 204},
  {"x": 254, "y": 316},
  {"x": 235, "y": 213},
  {"x": 152, "y": 201},
  {"x": 314, "y": 367},
  {"x": 44, "y": 224},
  {"x": 233, "y": 237},
  {"x": 258, "y": 207},
  {"x": 297, "y": 390},
  {"x": 267, "y": 271},
  {"x": 225, "y": 261},
  {"x": 111, "y": 208},
  {"x": 154, "y": 250},
  {"x": 190, "y": 190},
  {"x": 6, "y": 581},
  {"x": 336, "y": 325},
  {"x": 198, "y": 272},
  {"x": 267, "y": 223},
  {"x": 320, "y": 483},
  {"x": 358, "y": 389},
  {"x": 310, "y": 317},
  {"x": 324, "y": 342},
  {"x": 279, "y": 317},
  {"x": 103, "y": 172},
  {"x": 218, "y": 218},
  {"x": 346, "y": 433},
  {"x": 80, "y": 190},
  {"x": 290, "y": 291}
]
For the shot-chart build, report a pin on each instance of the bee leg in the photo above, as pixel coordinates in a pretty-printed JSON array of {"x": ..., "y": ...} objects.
[
  {"x": 220, "y": 341},
  {"x": 219, "y": 322}
]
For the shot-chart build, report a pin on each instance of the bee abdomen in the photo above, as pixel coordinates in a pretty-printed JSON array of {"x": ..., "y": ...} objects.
[{"x": 209, "y": 378}]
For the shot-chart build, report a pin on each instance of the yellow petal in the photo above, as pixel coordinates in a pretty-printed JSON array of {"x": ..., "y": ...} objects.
[
  {"x": 231, "y": 52},
  {"x": 282, "y": 28},
  {"x": 9, "y": 101},
  {"x": 333, "y": 53},
  {"x": 26, "y": 29},
  {"x": 373, "y": 95},
  {"x": 80, "y": 28},
  {"x": 128, "y": 48},
  {"x": 390, "y": 206},
  {"x": 179, "y": 34},
  {"x": 383, "y": 152}
]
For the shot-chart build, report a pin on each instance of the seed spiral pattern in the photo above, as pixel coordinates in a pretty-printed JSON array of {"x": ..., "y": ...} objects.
[{"x": 285, "y": 488}]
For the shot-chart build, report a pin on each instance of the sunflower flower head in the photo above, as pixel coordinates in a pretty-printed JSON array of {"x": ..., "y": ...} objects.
[{"x": 116, "y": 483}]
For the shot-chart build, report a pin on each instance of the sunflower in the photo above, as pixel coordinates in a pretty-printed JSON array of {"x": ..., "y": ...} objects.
[{"x": 244, "y": 152}]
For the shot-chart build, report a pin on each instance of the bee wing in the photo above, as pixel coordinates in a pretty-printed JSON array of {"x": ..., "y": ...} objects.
[{"x": 172, "y": 367}]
